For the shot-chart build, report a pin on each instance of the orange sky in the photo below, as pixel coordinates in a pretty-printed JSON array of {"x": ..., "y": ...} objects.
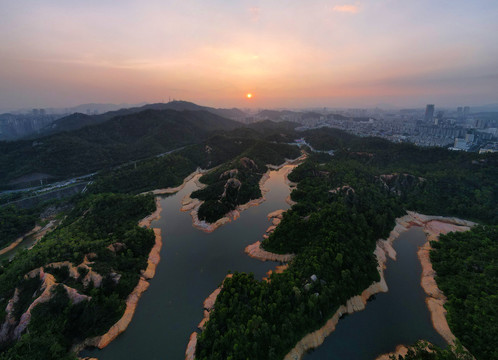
[{"x": 320, "y": 53}]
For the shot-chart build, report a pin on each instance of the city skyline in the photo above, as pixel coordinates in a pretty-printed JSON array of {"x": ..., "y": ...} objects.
[{"x": 328, "y": 53}]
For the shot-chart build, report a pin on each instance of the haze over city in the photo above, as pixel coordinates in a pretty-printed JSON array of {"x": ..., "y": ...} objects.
[{"x": 322, "y": 53}]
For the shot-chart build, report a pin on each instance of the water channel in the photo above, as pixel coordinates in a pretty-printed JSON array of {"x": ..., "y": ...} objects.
[
  {"x": 399, "y": 316},
  {"x": 194, "y": 263}
]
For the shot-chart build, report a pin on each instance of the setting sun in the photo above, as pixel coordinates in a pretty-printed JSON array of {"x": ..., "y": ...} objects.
[{"x": 249, "y": 96}]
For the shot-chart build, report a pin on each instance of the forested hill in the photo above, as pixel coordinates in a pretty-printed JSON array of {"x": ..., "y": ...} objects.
[
  {"x": 113, "y": 142},
  {"x": 77, "y": 120}
]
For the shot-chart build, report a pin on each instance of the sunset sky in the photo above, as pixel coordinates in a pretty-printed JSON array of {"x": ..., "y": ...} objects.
[{"x": 294, "y": 53}]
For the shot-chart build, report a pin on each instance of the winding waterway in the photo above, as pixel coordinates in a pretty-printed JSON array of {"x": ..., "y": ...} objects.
[
  {"x": 399, "y": 316},
  {"x": 194, "y": 263}
]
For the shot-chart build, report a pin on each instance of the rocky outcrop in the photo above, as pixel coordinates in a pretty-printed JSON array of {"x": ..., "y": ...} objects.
[
  {"x": 400, "y": 350},
  {"x": 229, "y": 173},
  {"x": 348, "y": 189},
  {"x": 398, "y": 183},
  {"x": 231, "y": 183},
  {"x": 117, "y": 247},
  {"x": 248, "y": 163},
  {"x": 10, "y": 322},
  {"x": 277, "y": 214},
  {"x": 48, "y": 284}
]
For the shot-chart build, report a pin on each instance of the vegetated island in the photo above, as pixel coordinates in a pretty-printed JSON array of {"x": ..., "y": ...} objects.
[
  {"x": 89, "y": 273},
  {"x": 253, "y": 250},
  {"x": 345, "y": 203},
  {"x": 237, "y": 185}
]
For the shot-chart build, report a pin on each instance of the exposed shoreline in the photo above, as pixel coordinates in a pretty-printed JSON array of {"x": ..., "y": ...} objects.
[
  {"x": 210, "y": 301},
  {"x": 208, "y": 305},
  {"x": 193, "y": 205},
  {"x": 171, "y": 190},
  {"x": 38, "y": 233},
  {"x": 16, "y": 242},
  {"x": 433, "y": 226},
  {"x": 257, "y": 252},
  {"x": 133, "y": 298}
]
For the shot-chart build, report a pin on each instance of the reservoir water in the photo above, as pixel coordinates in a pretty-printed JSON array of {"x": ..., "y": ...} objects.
[
  {"x": 194, "y": 263},
  {"x": 399, "y": 316},
  {"x": 26, "y": 243}
]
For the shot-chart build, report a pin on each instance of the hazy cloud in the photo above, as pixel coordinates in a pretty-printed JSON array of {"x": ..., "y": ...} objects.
[
  {"x": 255, "y": 13},
  {"x": 352, "y": 9}
]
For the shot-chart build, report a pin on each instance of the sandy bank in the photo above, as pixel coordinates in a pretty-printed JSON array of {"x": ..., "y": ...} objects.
[
  {"x": 193, "y": 205},
  {"x": 172, "y": 190},
  {"x": 433, "y": 226},
  {"x": 19, "y": 240},
  {"x": 257, "y": 252},
  {"x": 254, "y": 250},
  {"x": 435, "y": 298},
  {"x": 356, "y": 303},
  {"x": 37, "y": 232},
  {"x": 208, "y": 305},
  {"x": 132, "y": 299}
]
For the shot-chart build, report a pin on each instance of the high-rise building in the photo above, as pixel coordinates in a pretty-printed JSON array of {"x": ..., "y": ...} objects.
[
  {"x": 466, "y": 111},
  {"x": 429, "y": 112}
]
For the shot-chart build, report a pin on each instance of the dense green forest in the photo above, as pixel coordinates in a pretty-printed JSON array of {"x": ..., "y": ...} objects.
[
  {"x": 15, "y": 222},
  {"x": 467, "y": 272},
  {"x": 453, "y": 183},
  {"x": 237, "y": 182},
  {"x": 170, "y": 170},
  {"x": 334, "y": 237},
  {"x": 116, "y": 141},
  {"x": 103, "y": 228},
  {"x": 345, "y": 203}
]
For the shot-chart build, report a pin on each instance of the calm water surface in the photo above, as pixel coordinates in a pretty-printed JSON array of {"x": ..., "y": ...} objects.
[
  {"x": 399, "y": 316},
  {"x": 194, "y": 263},
  {"x": 26, "y": 243}
]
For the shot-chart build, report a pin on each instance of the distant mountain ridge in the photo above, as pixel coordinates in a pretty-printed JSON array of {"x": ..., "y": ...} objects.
[
  {"x": 122, "y": 138},
  {"x": 77, "y": 120}
]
